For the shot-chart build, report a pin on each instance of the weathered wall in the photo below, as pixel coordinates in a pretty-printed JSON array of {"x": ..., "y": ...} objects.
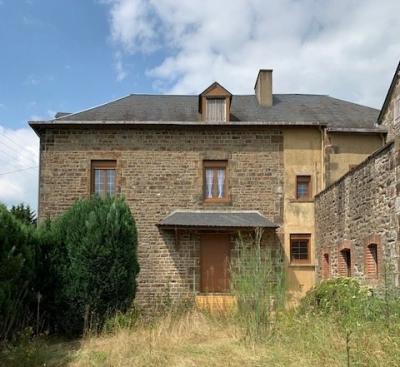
[
  {"x": 388, "y": 120},
  {"x": 302, "y": 156},
  {"x": 348, "y": 149},
  {"x": 160, "y": 170},
  {"x": 359, "y": 207}
]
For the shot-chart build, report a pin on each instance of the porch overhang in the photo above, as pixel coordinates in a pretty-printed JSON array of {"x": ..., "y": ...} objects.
[{"x": 216, "y": 220}]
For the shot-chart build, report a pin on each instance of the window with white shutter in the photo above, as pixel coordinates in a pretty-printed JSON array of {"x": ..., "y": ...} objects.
[{"x": 216, "y": 109}]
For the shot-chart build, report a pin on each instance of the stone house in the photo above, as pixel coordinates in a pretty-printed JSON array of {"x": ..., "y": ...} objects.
[
  {"x": 196, "y": 169},
  {"x": 357, "y": 217}
]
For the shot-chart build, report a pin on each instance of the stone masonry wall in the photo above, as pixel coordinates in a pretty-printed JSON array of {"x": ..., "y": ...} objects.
[
  {"x": 388, "y": 119},
  {"x": 360, "y": 207},
  {"x": 159, "y": 169}
]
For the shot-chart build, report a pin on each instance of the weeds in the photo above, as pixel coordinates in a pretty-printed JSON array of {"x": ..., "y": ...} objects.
[{"x": 257, "y": 281}]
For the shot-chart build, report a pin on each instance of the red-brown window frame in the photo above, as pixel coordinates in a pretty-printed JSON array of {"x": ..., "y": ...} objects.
[
  {"x": 103, "y": 165},
  {"x": 301, "y": 236},
  {"x": 216, "y": 164},
  {"x": 302, "y": 179}
]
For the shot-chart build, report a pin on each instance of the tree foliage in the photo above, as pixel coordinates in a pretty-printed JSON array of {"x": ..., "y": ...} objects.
[
  {"x": 16, "y": 272},
  {"x": 69, "y": 273},
  {"x": 94, "y": 262},
  {"x": 23, "y": 213}
]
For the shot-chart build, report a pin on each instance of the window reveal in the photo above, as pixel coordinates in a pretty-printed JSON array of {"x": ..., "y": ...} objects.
[
  {"x": 215, "y": 181},
  {"x": 103, "y": 177}
]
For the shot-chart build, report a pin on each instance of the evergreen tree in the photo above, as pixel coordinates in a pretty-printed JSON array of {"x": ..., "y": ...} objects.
[
  {"x": 94, "y": 262},
  {"x": 23, "y": 213},
  {"x": 16, "y": 273}
]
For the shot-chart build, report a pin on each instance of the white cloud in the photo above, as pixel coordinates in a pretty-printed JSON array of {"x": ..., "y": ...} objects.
[
  {"x": 49, "y": 115},
  {"x": 19, "y": 150},
  {"x": 119, "y": 67},
  {"x": 348, "y": 49},
  {"x": 32, "y": 80}
]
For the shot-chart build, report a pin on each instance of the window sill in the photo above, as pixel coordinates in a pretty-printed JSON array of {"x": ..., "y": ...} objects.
[
  {"x": 294, "y": 265},
  {"x": 217, "y": 202},
  {"x": 301, "y": 200}
]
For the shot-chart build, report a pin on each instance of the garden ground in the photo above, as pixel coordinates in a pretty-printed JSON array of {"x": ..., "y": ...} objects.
[{"x": 194, "y": 338}]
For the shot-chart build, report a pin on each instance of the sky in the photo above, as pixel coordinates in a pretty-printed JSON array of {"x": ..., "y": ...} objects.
[{"x": 68, "y": 55}]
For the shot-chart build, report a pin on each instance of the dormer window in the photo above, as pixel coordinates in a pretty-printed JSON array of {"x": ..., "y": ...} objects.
[
  {"x": 216, "y": 109},
  {"x": 215, "y": 103}
]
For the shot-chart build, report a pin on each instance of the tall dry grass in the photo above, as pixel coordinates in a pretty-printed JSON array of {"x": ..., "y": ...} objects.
[
  {"x": 193, "y": 338},
  {"x": 197, "y": 339}
]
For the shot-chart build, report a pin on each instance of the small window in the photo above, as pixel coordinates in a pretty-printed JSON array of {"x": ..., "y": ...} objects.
[
  {"x": 345, "y": 262},
  {"x": 104, "y": 177},
  {"x": 303, "y": 187},
  {"x": 215, "y": 181},
  {"x": 326, "y": 266},
  {"x": 300, "y": 248},
  {"x": 216, "y": 109},
  {"x": 371, "y": 261}
]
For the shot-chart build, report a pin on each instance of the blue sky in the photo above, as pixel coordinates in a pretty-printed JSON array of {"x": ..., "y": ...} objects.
[
  {"x": 68, "y": 55},
  {"x": 57, "y": 56}
]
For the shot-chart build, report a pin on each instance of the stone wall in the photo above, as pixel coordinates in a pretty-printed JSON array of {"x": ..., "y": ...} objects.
[
  {"x": 357, "y": 209},
  {"x": 388, "y": 119},
  {"x": 159, "y": 169}
]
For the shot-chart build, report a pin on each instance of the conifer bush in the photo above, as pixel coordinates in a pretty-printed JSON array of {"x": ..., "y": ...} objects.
[
  {"x": 94, "y": 261},
  {"x": 16, "y": 273}
]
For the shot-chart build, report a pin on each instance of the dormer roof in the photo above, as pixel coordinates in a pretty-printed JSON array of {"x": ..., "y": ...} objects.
[{"x": 214, "y": 90}]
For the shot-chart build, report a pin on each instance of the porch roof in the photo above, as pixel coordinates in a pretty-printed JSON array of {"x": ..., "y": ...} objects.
[{"x": 216, "y": 219}]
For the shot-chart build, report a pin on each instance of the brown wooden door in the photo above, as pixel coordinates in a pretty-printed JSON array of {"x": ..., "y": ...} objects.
[{"x": 214, "y": 262}]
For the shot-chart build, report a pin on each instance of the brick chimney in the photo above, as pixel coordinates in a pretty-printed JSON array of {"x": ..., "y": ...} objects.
[{"x": 263, "y": 87}]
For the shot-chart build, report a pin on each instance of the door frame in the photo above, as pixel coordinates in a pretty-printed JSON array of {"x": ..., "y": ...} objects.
[{"x": 215, "y": 233}]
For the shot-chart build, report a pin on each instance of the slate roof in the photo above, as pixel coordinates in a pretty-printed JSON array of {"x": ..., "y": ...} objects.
[
  {"x": 213, "y": 218},
  {"x": 286, "y": 109}
]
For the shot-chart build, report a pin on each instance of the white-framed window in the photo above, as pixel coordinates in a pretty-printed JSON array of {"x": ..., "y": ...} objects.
[{"x": 216, "y": 109}]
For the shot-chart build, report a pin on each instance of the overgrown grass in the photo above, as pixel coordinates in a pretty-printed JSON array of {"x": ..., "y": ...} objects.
[
  {"x": 197, "y": 339},
  {"x": 338, "y": 323}
]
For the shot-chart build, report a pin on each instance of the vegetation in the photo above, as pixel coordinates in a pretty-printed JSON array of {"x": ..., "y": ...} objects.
[
  {"x": 24, "y": 214},
  {"x": 94, "y": 262},
  {"x": 257, "y": 281},
  {"x": 338, "y": 323},
  {"x": 70, "y": 274},
  {"x": 195, "y": 338},
  {"x": 16, "y": 271}
]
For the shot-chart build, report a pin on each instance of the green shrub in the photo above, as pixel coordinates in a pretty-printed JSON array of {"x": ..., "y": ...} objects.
[
  {"x": 257, "y": 282},
  {"x": 350, "y": 301},
  {"x": 94, "y": 261},
  {"x": 16, "y": 272}
]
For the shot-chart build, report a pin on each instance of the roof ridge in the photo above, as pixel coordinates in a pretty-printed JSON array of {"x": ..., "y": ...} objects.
[
  {"x": 88, "y": 109},
  {"x": 354, "y": 103}
]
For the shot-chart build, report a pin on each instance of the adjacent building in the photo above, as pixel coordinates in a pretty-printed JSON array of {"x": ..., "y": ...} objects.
[
  {"x": 196, "y": 169},
  {"x": 357, "y": 217}
]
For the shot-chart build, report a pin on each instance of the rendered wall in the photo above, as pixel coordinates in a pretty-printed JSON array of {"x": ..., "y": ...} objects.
[{"x": 302, "y": 155}]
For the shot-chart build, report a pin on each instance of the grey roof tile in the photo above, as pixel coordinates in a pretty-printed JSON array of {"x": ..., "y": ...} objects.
[
  {"x": 224, "y": 219},
  {"x": 286, "y": 109}
]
